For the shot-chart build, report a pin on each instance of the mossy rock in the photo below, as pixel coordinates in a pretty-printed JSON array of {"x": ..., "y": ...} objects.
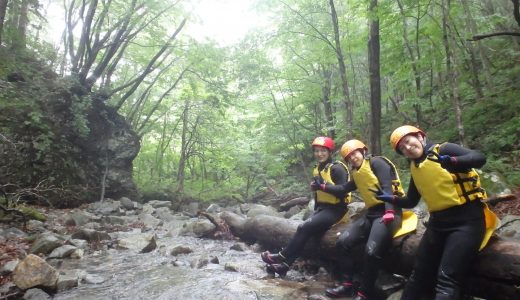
[{"x": 32, "y": 213}]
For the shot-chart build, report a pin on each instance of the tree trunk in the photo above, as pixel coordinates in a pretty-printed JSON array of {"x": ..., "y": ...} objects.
[
  {"x": 20, "y": 38},
  {"x": 494, "y": 276},
  {"x": 327, "y": 104},
  {"x": 3, "y": 10},
  {"x": 184, "y": 147},
  {"x": 451, "y": 71},
  {"x": 343, "y": 72},
  {"x": 410, "y": 50},
  {"x": 375, "y": 80},
  {"x": 475, "y": 70}
]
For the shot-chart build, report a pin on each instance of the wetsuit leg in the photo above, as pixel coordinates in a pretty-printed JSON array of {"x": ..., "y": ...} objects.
[
  {"x": 460, "y": 250},
  {"x": 317, "y": 224},
  {"x": 378, "y": 243},
  {"x": 355, "y": 234},
  {"x": 422, "y": 279}
]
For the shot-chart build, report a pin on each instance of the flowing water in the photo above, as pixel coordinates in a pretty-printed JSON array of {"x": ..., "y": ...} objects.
[{"x": 126, "y": 274}]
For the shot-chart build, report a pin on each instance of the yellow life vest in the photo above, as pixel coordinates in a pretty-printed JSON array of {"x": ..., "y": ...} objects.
[
  {"x": 366, "y": 181},
  {"x": 323, "y": 197},
  {"x": 441, "y": 189}
]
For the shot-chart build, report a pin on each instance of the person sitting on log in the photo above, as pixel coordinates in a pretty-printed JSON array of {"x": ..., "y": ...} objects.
[
  {"x": 330, "y": 207},
  {"x": 375, "y": 228},
  {"x": 459, "y": 224}
]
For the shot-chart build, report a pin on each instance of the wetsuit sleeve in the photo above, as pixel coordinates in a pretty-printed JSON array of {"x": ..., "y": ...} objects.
[
  {"x": 385, "y": 175},
  {"x": 339, "y": 176},
  {"x": 344, "y": 188},
  {"x": 412, "y": 197},
  {"x": 464, "y": 158}
]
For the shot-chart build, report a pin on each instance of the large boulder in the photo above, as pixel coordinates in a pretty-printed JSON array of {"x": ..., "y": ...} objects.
[{"x": 34, "y": 271}]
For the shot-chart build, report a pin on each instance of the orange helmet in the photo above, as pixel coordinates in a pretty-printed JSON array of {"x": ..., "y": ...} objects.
[
  {"x": 324, "y": 141},
  {"x": 401, "y": 132},
  {"x": 351, "y": 146}
]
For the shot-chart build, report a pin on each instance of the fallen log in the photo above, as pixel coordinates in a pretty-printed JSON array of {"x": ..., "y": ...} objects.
[
  {"x": 496, "y": 274},
  {"x": 293, "y": 202}
]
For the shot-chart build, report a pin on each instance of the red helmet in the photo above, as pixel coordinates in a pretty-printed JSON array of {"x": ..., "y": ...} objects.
[{"x": 324, "y": 141}]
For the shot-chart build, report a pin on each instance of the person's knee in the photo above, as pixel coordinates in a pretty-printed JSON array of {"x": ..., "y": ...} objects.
[
  {"x": 343, "y": 243},
  {"x": 372, "y": 250}
]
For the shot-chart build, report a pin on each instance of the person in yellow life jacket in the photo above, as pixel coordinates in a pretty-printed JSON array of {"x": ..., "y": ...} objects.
[
  {"x": 443, "y": 176},
  {"x": 329, "y": 208},
  {"x": 375, "y": 228}
]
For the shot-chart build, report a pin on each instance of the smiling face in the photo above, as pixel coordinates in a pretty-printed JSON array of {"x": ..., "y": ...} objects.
[
  {"x": 411, "y": 146},
  {"x": 321, "y": 154},
  {"x": 355, "y": 159}
]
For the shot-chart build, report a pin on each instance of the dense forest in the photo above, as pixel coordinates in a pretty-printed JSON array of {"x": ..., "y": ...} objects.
[{"x": 128, "y": 102}]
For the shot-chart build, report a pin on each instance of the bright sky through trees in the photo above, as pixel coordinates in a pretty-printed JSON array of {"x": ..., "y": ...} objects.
[{"x": 223, "y": 21}]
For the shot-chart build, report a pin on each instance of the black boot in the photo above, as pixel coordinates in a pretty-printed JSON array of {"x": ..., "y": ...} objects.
[
  {"x": 280, "y": 269},
  {"x": 360, "y": 296},
  {"x": 269, "y": 258},
  {"x": 345, "y": 289}
]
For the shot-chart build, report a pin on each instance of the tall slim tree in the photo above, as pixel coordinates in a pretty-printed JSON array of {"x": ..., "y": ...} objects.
[
  {"x": 342, "y": 70},
  {"x": 3, "y": 11},
  {"x": 375, "y": 79}
]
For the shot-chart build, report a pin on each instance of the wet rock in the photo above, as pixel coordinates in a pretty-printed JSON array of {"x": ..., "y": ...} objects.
[
  {"x": 36, "y": 294},
  {"x": 77, "y": 254},
  {"x": 213, "y": 208},
  {"x": 355, "y": 207},
  {"x": 106, "y": 208},
  {"x": 238, "y": 247},
  {"x": 292, "y": 211},
  {"x": 8, "y": 288},
  {"x": 90, "y": 235},
  {"x": 34, "y": 271},
  {"x": 199, "y": 262},
  {"x": 8, "y": 267},
  {"x": 147, "y": 209},
  {"x": 230, "y": 267},
  {"x": 45, "y": 243},
  {"x": 114, "y": 220},
  {"x": 510, "y": 227},
  {"x": 198, "y": 228},
  {"x": 79, "y": 218},
  {"x": 62, "y": 251},
  {"x": 164, "y": 214},
  {"x": 67, "y": 280},
  {"x": 136, "y": 242},
  {"x": 158, "y": 204},
  {"x": 93, "y": 279},
  {"x": 13, "y": 232},
  {"x": 35, "y": 226},
  {"x": 180, "y": 250},
  {"x": 126, "y": 203},
  {"x": 81, "y": 244},
  {"x": 191, "y": 208},
  {"x": 150, "y": 220},
  {"x": 151, "y": 245},
  {"x": 214, "y": 260}
]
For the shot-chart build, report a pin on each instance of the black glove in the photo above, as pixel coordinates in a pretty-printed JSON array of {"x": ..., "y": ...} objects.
[
  {"x": 445, "y": 161},
  {"x": 381, "y": 195},
  {"x": 318, "y": 184}
]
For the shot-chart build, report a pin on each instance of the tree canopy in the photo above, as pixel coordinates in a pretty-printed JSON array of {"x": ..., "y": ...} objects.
[{"x": 227, "y": 121}]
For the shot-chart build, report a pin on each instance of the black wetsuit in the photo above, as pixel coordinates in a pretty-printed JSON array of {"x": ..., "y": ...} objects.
[
  {"x": 370, "y": 229},
  {"x": 452, "y": 239},
  {"x": 324, "y": 216}
]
